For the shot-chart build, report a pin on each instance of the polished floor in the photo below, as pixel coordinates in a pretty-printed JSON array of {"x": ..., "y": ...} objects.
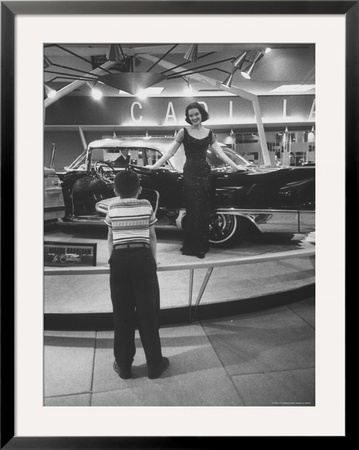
[{"x": 264, "y": 357}]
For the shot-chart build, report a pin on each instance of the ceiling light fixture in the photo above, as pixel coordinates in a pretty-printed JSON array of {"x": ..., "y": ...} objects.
[
  {"x": 188, "y": 90},
  {"x": 114, "y": 53},
  {"x": 192, "y": 53},
  {"x": 96, "y": 93},
  {"x": 50, "y": 93},
  {"x": 247, "y": 72},
  {"x": 237, "y": 64},
  {"x": 142, "y": 94},
  {"x": 239, "y": 61},
  {"x": 228, "y": 81}
]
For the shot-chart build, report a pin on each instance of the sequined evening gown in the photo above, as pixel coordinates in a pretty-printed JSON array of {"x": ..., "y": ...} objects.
[{"x": 197, "y": 181}]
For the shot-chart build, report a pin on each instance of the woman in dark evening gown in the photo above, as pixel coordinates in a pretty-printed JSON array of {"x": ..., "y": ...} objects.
[
  {"x": 197, "y": 178},
  {"x": 197, "y": 185}
]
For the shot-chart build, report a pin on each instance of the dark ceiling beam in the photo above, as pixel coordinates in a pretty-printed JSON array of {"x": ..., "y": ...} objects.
[
  {"x": 162, "y": 57},
  {"x": 60, "y": 76},
  {"x": 195, "y": 69},
  {"x": 84, "y": 72},
  {"x": 74, "y": 54},
  {"x": 185, "y": 63},
  {"x": 198, "y": 71}
]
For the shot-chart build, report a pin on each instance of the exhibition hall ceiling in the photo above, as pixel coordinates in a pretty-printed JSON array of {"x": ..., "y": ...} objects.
[{"x": 167, "y": 70}]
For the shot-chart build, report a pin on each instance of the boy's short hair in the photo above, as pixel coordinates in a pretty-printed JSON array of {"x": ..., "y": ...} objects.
[{"x": 127, "y": 183}]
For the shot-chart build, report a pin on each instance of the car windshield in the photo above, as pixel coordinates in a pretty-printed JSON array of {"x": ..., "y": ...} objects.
[
  {"x": 215, "y": 162},
  {"x": 121, "y": 156},
  {"x": 118, "y": 157}
]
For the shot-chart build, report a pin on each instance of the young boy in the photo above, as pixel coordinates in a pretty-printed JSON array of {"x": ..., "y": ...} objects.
[{"x": 133, "y": 277}]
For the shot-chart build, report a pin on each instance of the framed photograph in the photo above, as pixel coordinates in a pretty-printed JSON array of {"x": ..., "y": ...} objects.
[{"x": 25, "y": 27}]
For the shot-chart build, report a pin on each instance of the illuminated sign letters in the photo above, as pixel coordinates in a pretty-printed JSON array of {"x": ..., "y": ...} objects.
[
  {"x": 170, "y": 113},
  {"x": 138, "y": 104}
]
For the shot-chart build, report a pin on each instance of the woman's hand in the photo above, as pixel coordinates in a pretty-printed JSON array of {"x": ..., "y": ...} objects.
[{"x": 240, "y": 168}]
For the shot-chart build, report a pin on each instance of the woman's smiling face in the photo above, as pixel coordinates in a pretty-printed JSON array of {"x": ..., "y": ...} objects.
[{"x": 194, "y": 116}]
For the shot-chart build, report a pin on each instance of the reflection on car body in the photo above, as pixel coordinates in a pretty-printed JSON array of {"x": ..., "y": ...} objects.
[{"x": 259, "y": 199}]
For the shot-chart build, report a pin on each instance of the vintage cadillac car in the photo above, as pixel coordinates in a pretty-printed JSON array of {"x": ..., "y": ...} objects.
[
  {"x": 259, "y": 199},
  {"x": 54, "y": 206}
]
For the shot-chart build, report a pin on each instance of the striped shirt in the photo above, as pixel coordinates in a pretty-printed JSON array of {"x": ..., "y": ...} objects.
[{"x": 130, "y": 220}]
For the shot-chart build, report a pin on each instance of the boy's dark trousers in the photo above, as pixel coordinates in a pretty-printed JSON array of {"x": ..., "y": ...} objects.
[{"x": 135, "y": 300}]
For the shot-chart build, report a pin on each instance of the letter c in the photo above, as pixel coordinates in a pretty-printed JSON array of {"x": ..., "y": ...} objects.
[{"x": 132, "y": 111}]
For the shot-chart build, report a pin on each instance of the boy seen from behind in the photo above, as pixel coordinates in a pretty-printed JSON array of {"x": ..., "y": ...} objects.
[{"x": 134, "y": 285}]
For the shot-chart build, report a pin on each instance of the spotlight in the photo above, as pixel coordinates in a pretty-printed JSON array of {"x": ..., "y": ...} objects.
[
  {"x": 142, "y": 93},
  {"x": 247, "y": 72},
  {"x": 239, "y": 61},
  {"x": 50, "y": 93},
  {"x": 114, "y": 53},
  {"x": 188, "y": 90},
  {"x": 228, "y": 81},
  {"x": 96, "y": 93},
  {"x": 192, "y": 53}
]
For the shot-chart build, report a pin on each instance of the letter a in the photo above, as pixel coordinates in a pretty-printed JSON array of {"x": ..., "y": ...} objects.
[{"x": 170, "y": 113}]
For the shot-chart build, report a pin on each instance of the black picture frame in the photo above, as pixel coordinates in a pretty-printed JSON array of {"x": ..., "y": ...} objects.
[{"x": 9, "y": 10}]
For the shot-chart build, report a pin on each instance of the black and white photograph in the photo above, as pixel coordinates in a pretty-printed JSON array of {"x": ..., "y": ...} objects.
[
  {"x": 220, "y": 142},
  {"x": 180, "y": 174}
]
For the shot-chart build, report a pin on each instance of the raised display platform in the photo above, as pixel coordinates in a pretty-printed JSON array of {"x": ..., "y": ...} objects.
[{"x": 252, "y": 276}]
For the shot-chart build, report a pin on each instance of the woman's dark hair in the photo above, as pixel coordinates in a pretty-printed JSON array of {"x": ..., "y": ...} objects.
[{"x": 203, "y": 112}]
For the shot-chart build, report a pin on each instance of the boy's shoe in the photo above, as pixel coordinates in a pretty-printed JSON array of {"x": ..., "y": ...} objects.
[
  {"x": 157, "y": 373},
  {"x": 125, "y": 374}
]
